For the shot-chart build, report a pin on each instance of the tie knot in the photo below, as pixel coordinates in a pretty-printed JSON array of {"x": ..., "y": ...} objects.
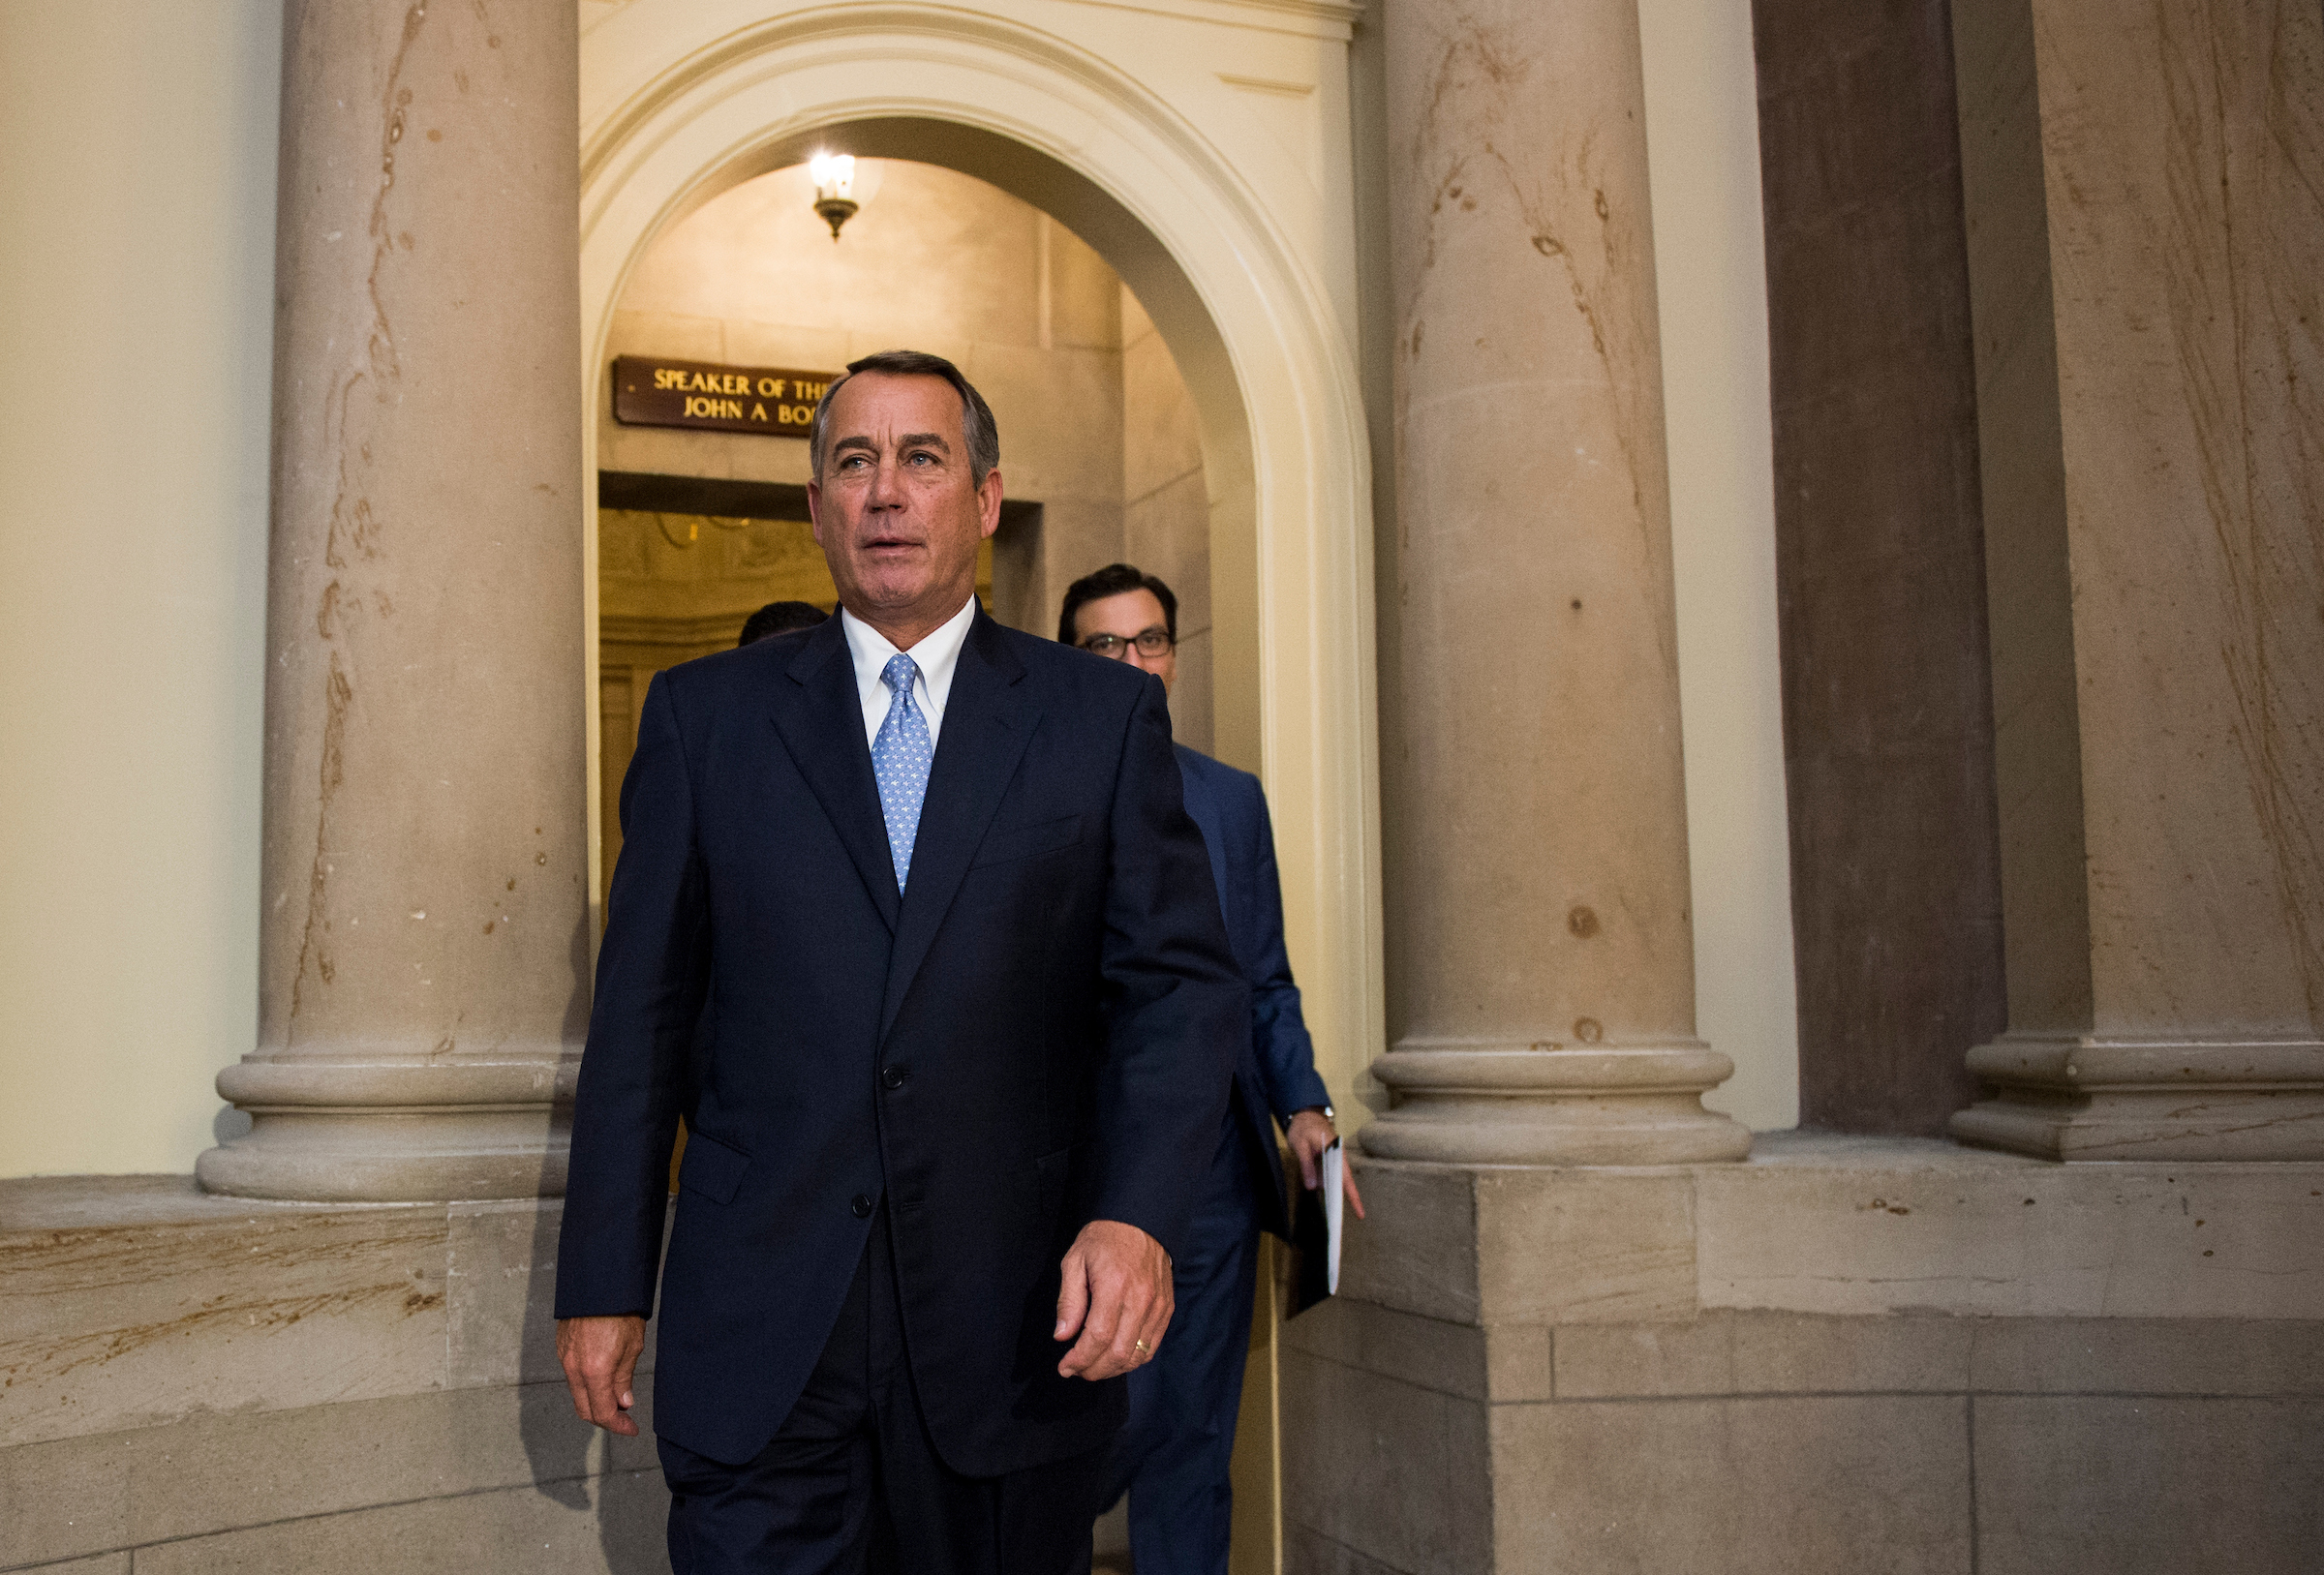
[{"x": 898, "y": 676}]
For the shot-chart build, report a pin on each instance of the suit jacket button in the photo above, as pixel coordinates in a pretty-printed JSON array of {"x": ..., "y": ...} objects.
[
  {"x": 862, "y": 1205},
  {"x": 893, "y": 1077}
]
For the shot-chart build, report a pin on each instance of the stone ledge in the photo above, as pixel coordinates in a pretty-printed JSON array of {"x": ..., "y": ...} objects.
[
  {"x": 182, "y": 1308},
  {"x": 38, "y": 1203},
  {"x": 1841, "y": 1225},
  {"x": 135, "y": 1302},
  {"x": 1870, "y": 1226}
]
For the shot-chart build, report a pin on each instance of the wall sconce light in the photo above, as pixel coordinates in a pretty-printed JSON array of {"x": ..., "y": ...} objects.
[{"x": 833, "y": 175}]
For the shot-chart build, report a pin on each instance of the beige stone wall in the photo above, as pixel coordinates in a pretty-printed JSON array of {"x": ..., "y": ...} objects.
[
  {"x": 136, "y": 247},
  {"x": 1794, "y": 1445}
]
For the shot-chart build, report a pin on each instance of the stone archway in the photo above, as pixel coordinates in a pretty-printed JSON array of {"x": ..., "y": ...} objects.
[{"x": 1254, "y": 331}]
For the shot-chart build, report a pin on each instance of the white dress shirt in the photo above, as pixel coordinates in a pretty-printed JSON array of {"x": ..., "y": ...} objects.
[{"x": 936, "y": 654}]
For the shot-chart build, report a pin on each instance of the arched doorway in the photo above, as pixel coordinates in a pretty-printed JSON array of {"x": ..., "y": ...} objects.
[
  {"x": 1256, "y": 329},
  {"x": 1256, "y": 314}
]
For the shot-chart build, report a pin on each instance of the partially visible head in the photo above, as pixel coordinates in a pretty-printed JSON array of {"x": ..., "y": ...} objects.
[
  {"x": 781, "y": 618},
  {"x": 1118, "y": 612},
  {"x": 905, "y": 487}
]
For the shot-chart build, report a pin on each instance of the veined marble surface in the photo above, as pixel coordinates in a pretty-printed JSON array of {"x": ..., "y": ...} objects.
[{"x": 133, "y": 1301}]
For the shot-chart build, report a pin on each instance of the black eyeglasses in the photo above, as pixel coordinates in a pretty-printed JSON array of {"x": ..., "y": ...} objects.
[{"x": 1114, "y": 648}]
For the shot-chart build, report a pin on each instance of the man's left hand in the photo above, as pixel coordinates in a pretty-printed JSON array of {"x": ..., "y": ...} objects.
[
  {"x": 1311, "y": 1133},
  {"x": 1116, "y": 1294},
  {"x": 599, "y": 1356}
]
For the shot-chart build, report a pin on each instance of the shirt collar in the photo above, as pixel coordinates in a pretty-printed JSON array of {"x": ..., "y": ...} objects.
[{"x": 936, "y": 655}]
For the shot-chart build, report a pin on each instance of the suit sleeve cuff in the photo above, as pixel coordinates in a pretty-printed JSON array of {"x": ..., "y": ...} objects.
[{"x": 1302, "y": 1093}]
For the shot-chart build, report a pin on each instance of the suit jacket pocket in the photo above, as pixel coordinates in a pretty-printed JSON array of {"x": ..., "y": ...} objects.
[
  {"x": 711, "y": 1168},
  {"x": 1006, "y": 842}
]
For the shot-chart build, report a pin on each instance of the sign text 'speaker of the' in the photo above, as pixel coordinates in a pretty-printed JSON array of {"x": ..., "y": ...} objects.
[{"x": 703, "y": 396}]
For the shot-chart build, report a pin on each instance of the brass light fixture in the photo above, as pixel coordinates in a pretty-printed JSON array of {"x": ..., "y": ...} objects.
[{"x": 833, "y": 175}]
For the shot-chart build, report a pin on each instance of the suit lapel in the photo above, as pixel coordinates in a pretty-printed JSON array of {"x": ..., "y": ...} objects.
[
  {"x": 987, "y": 721},
  {"x": 820, "y": 714}
]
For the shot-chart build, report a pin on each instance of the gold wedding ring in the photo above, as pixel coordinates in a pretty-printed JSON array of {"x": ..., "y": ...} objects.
[{"x": 1139, "y": 1345}]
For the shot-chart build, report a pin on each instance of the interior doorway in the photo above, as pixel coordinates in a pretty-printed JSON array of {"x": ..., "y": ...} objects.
[
  {"x": 1228, "y": 247},
  {"x": 702, "y": 512}
]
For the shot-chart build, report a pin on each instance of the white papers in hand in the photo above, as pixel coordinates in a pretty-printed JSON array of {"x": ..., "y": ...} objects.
[{"x": 1334, "y": 1162}]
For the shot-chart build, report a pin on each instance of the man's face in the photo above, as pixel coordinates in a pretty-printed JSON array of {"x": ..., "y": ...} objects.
[
  {"x": 895, "y": 512},
  {"x": 1126, "y": 616}
]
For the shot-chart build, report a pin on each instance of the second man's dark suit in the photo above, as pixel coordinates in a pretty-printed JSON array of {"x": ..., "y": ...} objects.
[
  {"x": 1275, "y": 1060},
  {"x": 1037, "y": 1033},
  {"x": 1173, "y": 1456}
]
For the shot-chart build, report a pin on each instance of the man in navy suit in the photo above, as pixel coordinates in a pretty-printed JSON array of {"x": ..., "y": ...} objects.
[
  {"x": 972, "y": 1019},
  {"x": 1174, "y": 1457}
]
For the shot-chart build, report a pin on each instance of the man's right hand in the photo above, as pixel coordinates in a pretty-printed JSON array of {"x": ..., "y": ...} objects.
[{"x": 600, "y": 1357}]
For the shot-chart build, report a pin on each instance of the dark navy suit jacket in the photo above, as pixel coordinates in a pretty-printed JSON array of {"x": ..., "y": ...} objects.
[
  {"x": 1039, "y": 1033},
  {"x": 1275, "y": 1064}
]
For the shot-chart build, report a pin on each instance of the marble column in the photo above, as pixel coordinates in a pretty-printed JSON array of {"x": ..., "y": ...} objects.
[
  {"x": 2146, "y": 252},
  {"x": 1540, "y": 945},
  {"x": 424, "y": 948}
]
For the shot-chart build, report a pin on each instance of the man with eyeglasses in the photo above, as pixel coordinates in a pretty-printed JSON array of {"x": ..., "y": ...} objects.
[{"x": 1173, "y": 1458}]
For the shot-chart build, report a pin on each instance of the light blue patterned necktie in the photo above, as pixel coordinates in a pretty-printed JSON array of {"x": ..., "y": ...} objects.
[{"x": 900, "y": 756}]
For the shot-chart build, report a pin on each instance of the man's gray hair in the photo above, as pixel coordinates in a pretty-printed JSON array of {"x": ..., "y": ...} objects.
[{"x": 979, "y": 432}]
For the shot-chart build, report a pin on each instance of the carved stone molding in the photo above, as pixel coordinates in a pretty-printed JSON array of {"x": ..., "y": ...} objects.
[
  {"x": 2090, "y": 1096},
  {"x": 1479, "y": 1104}
]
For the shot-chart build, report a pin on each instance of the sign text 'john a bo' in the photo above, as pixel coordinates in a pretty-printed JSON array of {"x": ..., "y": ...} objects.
[{"x": 706, "y": 397}]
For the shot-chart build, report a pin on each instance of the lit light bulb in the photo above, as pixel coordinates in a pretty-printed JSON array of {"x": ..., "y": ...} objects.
[{"x": 833, "y": 175}]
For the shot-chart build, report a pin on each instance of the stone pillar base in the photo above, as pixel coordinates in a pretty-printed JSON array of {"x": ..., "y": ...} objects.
[
  {"x": 2082, "y": 1096},
  {"x": 1665, "y": 1370},
  {"x": 395, "y": 1129},
  {"x": 1467, "y": 1102}
]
